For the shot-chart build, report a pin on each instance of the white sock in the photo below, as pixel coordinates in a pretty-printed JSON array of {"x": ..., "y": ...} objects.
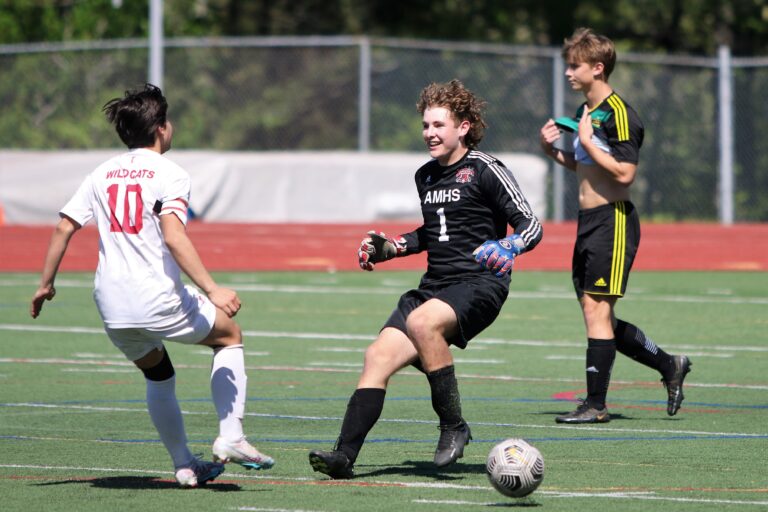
[
  {"x": 228, "y": 385},
  {"x": 166, "y": 416}
]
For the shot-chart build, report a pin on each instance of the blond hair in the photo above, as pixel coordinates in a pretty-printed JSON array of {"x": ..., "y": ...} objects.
[{"x": 586, "y": 46}]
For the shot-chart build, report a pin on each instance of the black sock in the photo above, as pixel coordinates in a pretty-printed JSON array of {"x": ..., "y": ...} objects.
[
  {"x": 363, "y": 411},
  {"x": 632, "y": 342},
  {"x": 600, "y": 357},
  {"x": 445, "y": 395}
]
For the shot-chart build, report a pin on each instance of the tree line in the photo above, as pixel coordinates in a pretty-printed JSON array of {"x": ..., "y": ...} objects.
[{"x": 694, "y": 27}]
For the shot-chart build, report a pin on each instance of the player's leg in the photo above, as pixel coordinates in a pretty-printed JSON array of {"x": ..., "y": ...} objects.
[
  {"x": 597, "y": 272},
  {"x": 391, "y": 351},
  {"x": 633, "y": 343},
  {"x": 455, "y": 315},
  {"x": 630, "y": 340},
  {"x": 149, "y": 356},
  {"x": 601, "y": 354},
  {"x": 429, "y": 327},
  {"x": 601, "y": 346},
  {"x": 166, "y": 416},
  {"x": 228, "y": 391},
  {"x": 163, "y": 406}
]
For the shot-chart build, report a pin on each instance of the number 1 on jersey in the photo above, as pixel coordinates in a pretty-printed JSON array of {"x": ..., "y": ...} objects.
[{"x": 443, "y": 226}]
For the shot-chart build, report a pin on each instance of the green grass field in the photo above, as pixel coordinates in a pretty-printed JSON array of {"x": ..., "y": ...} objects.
[{"x": 75, "y": 435}]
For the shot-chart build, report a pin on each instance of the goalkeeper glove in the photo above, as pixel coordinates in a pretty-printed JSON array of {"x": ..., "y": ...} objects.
[
  {"x": 378, "y": 247},
  {"x": 498, "y": 256}
]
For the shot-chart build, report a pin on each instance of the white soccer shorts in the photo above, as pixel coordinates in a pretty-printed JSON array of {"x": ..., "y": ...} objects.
[{"x": 189, "y": 328}]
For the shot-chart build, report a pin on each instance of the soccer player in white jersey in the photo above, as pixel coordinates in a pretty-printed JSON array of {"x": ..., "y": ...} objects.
[{"x": 139, "y": 202}]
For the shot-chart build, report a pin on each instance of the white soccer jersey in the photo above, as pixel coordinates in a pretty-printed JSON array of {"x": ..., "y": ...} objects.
[{"x": 137, "y": 282}]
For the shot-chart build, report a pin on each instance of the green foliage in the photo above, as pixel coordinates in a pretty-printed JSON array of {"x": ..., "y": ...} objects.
[
  {"x": 677, "y": 26},
  {"x": 307, "y": 98}
]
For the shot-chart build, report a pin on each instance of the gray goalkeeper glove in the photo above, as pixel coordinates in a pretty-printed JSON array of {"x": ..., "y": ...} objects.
[{"x": 378, "y": 247}]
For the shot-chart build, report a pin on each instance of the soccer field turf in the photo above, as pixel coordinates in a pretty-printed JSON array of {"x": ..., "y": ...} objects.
[{"x": 75, "y": 435}]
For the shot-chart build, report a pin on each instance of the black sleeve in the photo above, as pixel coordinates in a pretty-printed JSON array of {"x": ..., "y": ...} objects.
[
  {"x": 414, "y": 241},
  {"x": 625, "y": 134},
  {"x": 503, "y": 191}
]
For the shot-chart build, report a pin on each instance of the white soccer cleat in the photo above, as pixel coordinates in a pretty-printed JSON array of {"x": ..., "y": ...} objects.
[
  {"x": 199, "y": 473},
  {"x": 240, "y": 452}
]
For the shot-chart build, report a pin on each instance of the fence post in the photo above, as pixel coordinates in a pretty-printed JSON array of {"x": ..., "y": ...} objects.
[
  {"x": 558, "y": 109},
  {"x": 156, "y": 43},
  {"x": 364, "y": 97},
  {"x": 725, "y": 123}
]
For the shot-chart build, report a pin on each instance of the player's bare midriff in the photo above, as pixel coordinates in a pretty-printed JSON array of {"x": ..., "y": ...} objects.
[{"x": 597, "y": 187}]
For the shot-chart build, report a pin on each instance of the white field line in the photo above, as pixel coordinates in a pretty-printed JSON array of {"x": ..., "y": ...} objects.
[
  {"x": 251, "y": 476},
  {"x": 332, "y": 369},
  {"x": 207, "y": 352},
  {"x": 405, "y": 485},
  {"x": 579, "y": 428},
  {"x": 338, "y": 365},
  {"x": 340, "y": 349},
  {"x": 464, "y": 360},
  {"x": 369, "y": 338},
  {"x": 558, "y": 357},
  {"x": 715, "y": 297},
  {"x": 608, "y": 495},
  {"x": 98, "y": 370},
  {"x": 99, "y": 355},
  {"x": 261, "y": 509}
]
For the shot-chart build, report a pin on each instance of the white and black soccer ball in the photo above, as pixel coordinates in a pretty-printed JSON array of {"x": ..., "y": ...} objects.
[{"x": 515, "y": 468}]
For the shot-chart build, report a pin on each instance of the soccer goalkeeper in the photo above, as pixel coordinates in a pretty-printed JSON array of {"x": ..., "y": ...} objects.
[{"x": 467, "y": 200}]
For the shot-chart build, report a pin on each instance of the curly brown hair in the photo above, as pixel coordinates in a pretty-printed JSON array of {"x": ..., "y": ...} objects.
[{"x": 461, "y": 102}]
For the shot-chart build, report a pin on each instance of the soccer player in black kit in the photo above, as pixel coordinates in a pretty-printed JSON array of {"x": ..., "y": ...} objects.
[
  {"x": 605, "y": 154},
  {"x": 468, "y": 198}
]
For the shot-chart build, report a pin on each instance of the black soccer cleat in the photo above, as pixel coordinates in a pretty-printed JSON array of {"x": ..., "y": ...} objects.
[
  {"x": 674, "y": 383},
  {"x": 450, "y": 446},
  {"x": 335, "y": 464},
  {"x": 585, "y": 413}
]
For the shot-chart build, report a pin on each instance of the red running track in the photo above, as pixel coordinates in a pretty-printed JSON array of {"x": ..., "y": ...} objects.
[{"x": 254, "y": 247}]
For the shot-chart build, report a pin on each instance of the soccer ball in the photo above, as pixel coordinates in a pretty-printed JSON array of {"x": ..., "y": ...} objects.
[{"x": 515, "y": 468}]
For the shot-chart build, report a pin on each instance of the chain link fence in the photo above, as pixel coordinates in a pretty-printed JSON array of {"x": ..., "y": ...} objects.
[{"x": 341, "y": 93}]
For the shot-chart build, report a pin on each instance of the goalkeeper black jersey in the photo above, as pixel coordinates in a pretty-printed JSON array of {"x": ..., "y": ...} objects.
[{"x": 464, "y": 205}]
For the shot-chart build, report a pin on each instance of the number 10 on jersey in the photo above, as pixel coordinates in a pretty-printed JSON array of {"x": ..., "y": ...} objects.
[{"x": 126, "y": 208}]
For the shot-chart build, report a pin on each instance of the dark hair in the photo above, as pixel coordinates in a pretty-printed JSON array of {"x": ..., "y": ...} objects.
[
  {"x": 462, "y": 103},
  {"x": 586, "y": 46},
  {"x": 138, "y": 115}
]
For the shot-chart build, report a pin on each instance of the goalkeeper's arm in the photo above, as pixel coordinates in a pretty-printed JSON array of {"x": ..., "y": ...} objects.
[{"x": 378, "y": 247}]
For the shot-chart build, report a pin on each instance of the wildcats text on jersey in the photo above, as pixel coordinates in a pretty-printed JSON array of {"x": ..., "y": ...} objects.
[
  {"x": 130, "y": 173},
  {"x": 442, "y": 196}
]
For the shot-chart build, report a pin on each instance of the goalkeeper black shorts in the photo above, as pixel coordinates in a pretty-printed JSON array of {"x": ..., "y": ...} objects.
[
  {"x": 607, "y": 240},
  {"x": 476, "y": 302}
]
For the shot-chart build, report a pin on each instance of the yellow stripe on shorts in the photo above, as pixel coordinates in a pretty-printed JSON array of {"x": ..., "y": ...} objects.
[{"x": 619, "y": 247}]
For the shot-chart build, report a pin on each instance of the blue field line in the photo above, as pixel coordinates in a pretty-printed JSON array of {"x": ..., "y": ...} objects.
[
  {"x": 685, "y": 437},
  {"x": 660, "y": 403}
]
